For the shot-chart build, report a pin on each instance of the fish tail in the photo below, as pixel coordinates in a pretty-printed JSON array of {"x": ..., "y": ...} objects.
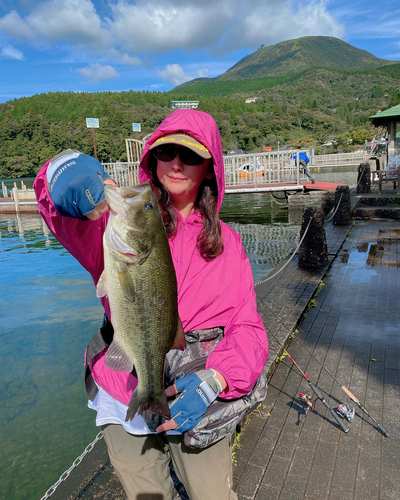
[{"x": 140, "y": 402}]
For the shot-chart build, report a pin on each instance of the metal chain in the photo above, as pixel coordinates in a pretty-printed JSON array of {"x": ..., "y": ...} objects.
[
  {"x": 272, "y": 198},
  {"x": 76, "y": 462},
  {"x": 291, "y": 257}
]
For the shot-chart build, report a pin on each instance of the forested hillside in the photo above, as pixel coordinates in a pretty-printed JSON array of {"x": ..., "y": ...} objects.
[{"x": 303, "y": 109}]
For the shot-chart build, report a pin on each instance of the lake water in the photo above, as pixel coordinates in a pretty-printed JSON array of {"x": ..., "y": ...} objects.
[{"x": 48, "y": 313}]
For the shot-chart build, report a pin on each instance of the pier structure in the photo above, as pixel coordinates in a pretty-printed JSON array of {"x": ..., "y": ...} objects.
[{"x": 259, "y": 172}]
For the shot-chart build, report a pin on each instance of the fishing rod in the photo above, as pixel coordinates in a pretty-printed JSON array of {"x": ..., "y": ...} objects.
[
  {"x": 319, "y": 395},
  {"x": 344, "y": 389}
]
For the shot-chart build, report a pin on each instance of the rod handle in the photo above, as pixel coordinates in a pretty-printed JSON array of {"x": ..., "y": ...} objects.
[
  {"x": 339, "y": 420},
  {"x": 316, "y": 391},
  {"x": 319, "y": 395},
  {"x": 380, "y": 427},
  {"x": 383, "y": 430},
  {"x": 350, "y": 394}
]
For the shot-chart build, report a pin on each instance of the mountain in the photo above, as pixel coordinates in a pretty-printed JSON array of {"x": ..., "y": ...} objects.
[{"x": 292, "y": 57}]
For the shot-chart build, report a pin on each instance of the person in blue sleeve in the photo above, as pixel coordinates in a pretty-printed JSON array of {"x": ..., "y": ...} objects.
[{"x": 304, "y": 161}]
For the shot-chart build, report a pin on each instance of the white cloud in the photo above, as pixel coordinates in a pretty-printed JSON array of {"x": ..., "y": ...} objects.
[
  {"x": 271, "y": 22},
  {"x": 16, "y": 27},
  {"x": 130, "y": 60},
  {"x": 71, "y": 21},
  {"x": 174, "y": 74},
  {"x": 12, "y": 52},
  {"x": 134, "y": 30},
  {"x": 202, "y": 73},
  {"x": 161, "y": 26},
  {"x": 98, "y": 73}
]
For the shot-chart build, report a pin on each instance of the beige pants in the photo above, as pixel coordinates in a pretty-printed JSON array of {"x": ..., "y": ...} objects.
[{"x": 142, "y": 465}]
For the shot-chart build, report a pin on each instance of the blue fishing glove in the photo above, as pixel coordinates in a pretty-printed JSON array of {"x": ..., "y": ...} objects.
[
  {"x": 197, "y": 391},
  {"x": 75, "y": 183}
]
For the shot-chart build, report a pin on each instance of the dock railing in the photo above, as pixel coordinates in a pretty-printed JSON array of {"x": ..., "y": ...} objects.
[
  {"x": 262, "y": 168},
  {"x": 339, "y": 159},
  {"x": 275, "y": 167},
  {"x": 124, "y": 173},
  {"x": 245, "y": 169}
]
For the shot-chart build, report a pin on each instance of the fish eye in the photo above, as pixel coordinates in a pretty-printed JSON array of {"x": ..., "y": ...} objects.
[{"x": 148, "y": 206}]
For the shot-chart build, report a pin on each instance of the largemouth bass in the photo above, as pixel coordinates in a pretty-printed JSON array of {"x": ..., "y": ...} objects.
[{"x": 139, "y": 280}]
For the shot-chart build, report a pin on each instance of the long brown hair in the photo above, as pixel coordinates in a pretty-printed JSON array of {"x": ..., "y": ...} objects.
[{"x": 209, "y": 241}]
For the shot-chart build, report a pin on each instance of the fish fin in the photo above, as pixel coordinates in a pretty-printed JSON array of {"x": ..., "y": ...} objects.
[
  {"x": 101, "y": 287},
  {"x": 125, "y": 280},
  {"x": 140, "y": 403},
  {"x": 117, "y": 360},
  {"x": 180, "y": 340}
]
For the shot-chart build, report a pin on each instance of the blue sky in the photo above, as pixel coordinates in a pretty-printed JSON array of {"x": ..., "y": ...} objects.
[{"x": 116, "y": 45}]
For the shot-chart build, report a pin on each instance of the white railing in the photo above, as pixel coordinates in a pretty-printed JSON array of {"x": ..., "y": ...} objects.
[
  {"x": 124, "y": 173},
  {"x": 262, "y": 168},
  {"x": 339, "y": 159},
  {"x": 134, "y": 149},
  {"x": 276, "y": 167},
  {"x": 271, "y": 168}
]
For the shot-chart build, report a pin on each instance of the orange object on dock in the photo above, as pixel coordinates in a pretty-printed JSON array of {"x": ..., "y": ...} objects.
[{"x": 321, "y": 186}]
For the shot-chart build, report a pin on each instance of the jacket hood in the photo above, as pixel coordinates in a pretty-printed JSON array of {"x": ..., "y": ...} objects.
[{"x": 199, "y": 125}]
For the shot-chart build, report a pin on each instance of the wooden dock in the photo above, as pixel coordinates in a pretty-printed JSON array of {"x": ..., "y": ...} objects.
[
  {"x": 321, "y": 186},
  {"x": 7, "y": 206}
]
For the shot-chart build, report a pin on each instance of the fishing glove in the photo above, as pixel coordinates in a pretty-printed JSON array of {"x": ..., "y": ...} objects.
[
  {"x": 197, "y": 391},
  {"x": 75, "y": 183}
]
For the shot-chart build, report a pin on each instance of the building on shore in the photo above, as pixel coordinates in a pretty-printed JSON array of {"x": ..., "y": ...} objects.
[
  {"x": 390, "y": 119},
  {"x": 184, "y": 104}
]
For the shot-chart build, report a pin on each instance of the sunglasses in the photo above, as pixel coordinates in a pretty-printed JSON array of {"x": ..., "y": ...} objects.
[{"x": 167, "y": 152}]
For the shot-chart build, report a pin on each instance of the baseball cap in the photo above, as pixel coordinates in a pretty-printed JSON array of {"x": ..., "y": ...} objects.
[
  {"x": 75, "y": 182},
  {"x": 185, "y": 140}
]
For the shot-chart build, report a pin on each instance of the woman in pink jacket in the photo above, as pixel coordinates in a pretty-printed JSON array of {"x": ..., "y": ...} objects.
[{"x": 183, "y": 163}]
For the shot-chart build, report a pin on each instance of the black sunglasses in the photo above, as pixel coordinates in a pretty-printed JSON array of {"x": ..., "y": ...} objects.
[{"x": 167, "y": 152}]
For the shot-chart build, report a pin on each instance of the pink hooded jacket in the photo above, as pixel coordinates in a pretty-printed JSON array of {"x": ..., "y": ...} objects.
[{"x": 210, "y": 294}]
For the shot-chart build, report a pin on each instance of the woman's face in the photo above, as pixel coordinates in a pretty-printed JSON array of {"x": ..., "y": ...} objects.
[{"x": 181, "y": 180}]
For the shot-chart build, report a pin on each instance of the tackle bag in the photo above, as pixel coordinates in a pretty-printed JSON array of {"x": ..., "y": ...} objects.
[{"x": 222, "y": 415}]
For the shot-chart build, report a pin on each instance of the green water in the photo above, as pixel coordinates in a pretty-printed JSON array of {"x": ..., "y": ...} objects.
[
  {"x": 9, "y": 183},
  {"x": 48, "y": 313}
]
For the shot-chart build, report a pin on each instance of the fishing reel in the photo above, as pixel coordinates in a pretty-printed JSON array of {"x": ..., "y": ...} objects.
[
  {"x": 344, "y": 411},
  {"x": 307, "y": 402}
]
